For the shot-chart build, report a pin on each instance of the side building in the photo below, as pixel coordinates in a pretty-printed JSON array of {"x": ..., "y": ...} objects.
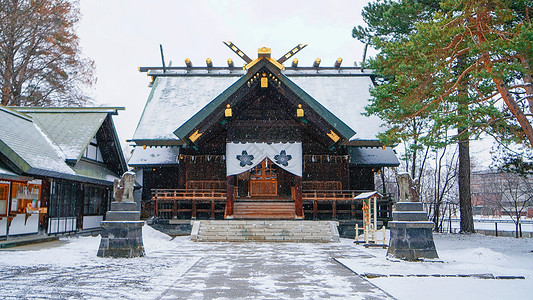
[
  {"x": 57, "y": 167},
  {"x": 261, "y": 142}
]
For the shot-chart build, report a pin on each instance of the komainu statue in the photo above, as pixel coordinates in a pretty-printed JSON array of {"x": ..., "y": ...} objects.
[
  {"x": 123, "y": 188},
  {"x": 407, "y": 187}
]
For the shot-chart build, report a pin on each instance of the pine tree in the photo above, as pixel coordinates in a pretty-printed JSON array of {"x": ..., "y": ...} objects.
[{"x": 463, "y": 70}]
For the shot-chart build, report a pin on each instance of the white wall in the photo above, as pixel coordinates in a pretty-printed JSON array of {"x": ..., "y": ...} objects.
[
  {"x": 90, "y": 222},
  {"x": 20, "y": 225},
  {"x": 3, "y": 226},
  {"x": 58, "y": 225}
]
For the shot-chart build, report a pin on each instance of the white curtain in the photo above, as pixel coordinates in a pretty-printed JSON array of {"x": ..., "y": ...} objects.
[{"x": 241, "y": 157}]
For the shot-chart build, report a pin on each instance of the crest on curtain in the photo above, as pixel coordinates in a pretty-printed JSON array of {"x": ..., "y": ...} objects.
[{"x": 241, "y": 157}]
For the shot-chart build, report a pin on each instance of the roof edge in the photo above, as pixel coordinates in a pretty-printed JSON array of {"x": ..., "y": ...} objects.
[
  {"x": 104, "y": 109},
  {"x": 13, "y": 157},
  {"x": 16, "y": 113}
]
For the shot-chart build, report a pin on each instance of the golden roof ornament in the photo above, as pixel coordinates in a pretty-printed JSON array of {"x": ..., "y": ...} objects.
[{"x": 264, "y": 53}]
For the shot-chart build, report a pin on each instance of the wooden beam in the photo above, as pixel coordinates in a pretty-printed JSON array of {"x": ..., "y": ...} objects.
[
  {"x": 230, "y": 183},
  {"x": 298, "y": 205},
  {"x": 238, "y": 52},
  {"x": 291, "y": 53}
]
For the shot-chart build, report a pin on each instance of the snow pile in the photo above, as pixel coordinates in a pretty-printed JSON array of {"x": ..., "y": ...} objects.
[
  {"x": 176, "y": 267},
  {"x": 459, "y": 255}
]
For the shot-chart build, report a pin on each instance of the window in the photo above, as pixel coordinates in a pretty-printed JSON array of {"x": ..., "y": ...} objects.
[
  {"x": 25, "y": 197},
  {"x": 94, "y": 199},
  {"x": 4, "y": 197},
  {"x": 93, "y": 151},
  {"x": 63, "y": 197}
]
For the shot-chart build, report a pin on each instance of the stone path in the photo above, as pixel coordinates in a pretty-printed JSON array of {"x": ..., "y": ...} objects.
[
  {"x": 182, "y": 269},
  {"x": 273, "y": 271}
]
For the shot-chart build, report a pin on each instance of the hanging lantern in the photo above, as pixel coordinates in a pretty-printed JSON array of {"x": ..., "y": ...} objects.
[
  {"x": 300, "y": 111},
  {"x": 227, "y": 111},
  {"x": 264, "y": 81}
]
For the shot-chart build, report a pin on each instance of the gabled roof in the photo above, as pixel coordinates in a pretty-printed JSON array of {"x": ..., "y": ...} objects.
[
  {"x": 27, "y": 147},
  {"x": 71, "y": 129},
  {"x": 35, "y": 141},
  {"x": 180, "y": 93},
  {"x": 173, "y": 101}
]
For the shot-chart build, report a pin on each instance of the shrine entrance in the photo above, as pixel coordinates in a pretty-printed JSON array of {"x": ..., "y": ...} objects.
[{"x": 263, "y": 180}]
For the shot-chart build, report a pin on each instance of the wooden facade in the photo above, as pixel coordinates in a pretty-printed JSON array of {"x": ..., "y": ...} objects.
[{"x": 262, "y": 106}]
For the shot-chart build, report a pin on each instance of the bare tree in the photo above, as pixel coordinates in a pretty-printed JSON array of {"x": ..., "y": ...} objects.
[
  {"x": 40, "y": 62},
  {"x": 511, "y": 193},
  {"x": 439, "y": 184}
]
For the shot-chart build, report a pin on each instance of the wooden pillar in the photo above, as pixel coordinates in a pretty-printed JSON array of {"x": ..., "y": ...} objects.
[
  {"x": 230, "y": 183},
  {"x": 212, "y": 217},
  {"x": 334, "y": 209},
  {"x": 345, "y": 174},
  {"x": 315, "y": 210},
  {"x": 174, "y": 209},
  {"x": 299, "y": 209},
  {"x": 193, "y": 209}
]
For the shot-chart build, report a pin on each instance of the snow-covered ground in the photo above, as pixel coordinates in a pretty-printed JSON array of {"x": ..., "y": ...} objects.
[
  {"x": 459, "y": 255},
  {"x": 181, "y": 268}
]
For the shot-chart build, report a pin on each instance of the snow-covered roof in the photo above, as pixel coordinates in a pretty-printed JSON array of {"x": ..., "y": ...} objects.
[
  {"x": 346, "y": 97},
  {"x": 39, "y": 142},
  {"x": 28, "y": 146},
  {"x": 373, "y": 156},
  {"x": 70, "y": 132},
  {"x": 176, "y": 97},
  {"x": 174, "y": 100},
  {"x": 154, "y": 156}
]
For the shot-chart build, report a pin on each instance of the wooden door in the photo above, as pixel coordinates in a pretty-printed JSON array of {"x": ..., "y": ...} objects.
[{"x": 263, "y": 180}]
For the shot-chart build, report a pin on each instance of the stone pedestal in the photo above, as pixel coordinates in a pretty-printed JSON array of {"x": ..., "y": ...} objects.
[
  {"x": 122, "y": 231},
  {"x": 411, "y": 234}
]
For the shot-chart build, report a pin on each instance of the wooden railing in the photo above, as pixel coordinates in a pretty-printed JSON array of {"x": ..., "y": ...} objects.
[
  {"x": 171, "y": 203},
  {"x": 318, "y": 204}
]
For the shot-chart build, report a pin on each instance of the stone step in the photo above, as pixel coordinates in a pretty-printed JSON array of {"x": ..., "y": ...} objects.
[
  {"x": 409, "y": 206},
  {"x": 123, "y": 206},
  {"x": 409, "y": 216},
  {"x": 123, "y": 216},
  {"x": 261, "y": 230}
]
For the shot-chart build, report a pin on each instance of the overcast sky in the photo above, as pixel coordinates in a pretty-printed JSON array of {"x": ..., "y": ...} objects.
[{"x": 122, "y": 35}]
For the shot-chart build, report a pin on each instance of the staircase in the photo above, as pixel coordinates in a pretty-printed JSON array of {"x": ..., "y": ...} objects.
[
  {"x": 264, "y": 231},
  {"x": 264, "y": 210}
]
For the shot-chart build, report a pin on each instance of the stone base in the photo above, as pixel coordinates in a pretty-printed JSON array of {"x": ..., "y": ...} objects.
[
  {"x": 411, "y": 241},
  {"x": 121, "y": 239}
]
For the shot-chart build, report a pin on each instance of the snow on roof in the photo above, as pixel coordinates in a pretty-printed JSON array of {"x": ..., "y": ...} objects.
[
  {"x": 346, "y": 97},
  {"x": 27, "y": 142},
  {"x": 36, "y": 144},
  {"x": 152, "y": 156},
  {"x": 373, "y": 156},
  {"x": 367, "y": 195},
  {"x": 174, "y": 100},
  {"x": 70, "y": 131}
]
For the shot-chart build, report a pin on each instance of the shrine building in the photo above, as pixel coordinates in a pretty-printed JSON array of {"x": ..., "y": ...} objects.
[
  {"x": 266, "y": 141},
  {"x": 57, "y": 167}
]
